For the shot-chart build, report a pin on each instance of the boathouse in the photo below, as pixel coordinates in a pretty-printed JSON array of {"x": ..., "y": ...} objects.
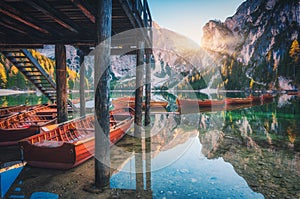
[{"x": 30, "y": 24}]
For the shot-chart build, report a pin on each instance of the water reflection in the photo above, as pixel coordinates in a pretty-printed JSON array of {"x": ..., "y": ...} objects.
[
  {"x": 244, "y": 152},
  {"x": 251, "y": 152},
  {"x": 26, "y": 99},
  {"x": 191, "y": 175}
]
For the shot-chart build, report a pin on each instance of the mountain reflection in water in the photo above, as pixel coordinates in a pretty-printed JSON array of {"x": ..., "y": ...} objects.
[
  {"x": 191, "y": 175},
  {"x": 250, "y": 152}
]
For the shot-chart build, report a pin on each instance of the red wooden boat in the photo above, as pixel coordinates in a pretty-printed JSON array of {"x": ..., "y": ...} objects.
[
  {"x": 11, "y": 110},
  {"x": 255, "y": 98},
  {"x": 200, "y": 103},
  {"x": 267, "y": 96},
  {"x": 23, "y": 125},
  {"x": 296, "y": 93},
  {"x": 47, "y": 111},
  {"x": 238, "y": 100},
  {"x": 73, "y": 142},
  {"x": 130, "y": 102},
  {"x": 203, "y": 103}
]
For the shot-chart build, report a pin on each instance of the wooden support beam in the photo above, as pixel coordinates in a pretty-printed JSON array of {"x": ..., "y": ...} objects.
[
  {"x": 84, "y": 10},
  {"x": 138, "y": 118},
  {"x": 51, "y": 12},
  {"x": 148, "y": 120},
  {"x": 61, "y": 83},
  {"x": 12, "y": 28},
  {"x": 81, "y": 54},
  {"x": 139, "y": 173},
  {"x": 148, "y": 156},
  {"x": 102, "y": 92},
  {"x": 139, "y": 88},
  {"x": 18, "y": 16},
  {"x": 148, "y": 89}
]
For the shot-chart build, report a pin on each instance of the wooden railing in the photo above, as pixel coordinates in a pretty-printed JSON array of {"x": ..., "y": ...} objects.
[
  {"x": 142, "y": 13},
  {"x": 141, "y": 8}
]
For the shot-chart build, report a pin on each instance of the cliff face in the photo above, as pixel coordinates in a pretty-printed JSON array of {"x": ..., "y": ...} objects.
[{"x": 257, "y": 28}]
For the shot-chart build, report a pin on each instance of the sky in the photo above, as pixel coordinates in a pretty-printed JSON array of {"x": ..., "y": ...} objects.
[{"x": 187, "y": 17}]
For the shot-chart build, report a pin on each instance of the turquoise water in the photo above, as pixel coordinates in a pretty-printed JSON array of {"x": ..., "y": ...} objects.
[
  {"x": 26, "y": 99},
  {"x": 247, "y": 152},
  {"x": 192, "y": 175},
  {"x": 250, "y": 152}
]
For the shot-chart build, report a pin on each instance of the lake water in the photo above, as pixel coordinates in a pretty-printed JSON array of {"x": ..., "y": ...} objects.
[{"x": 246, "y": 152}]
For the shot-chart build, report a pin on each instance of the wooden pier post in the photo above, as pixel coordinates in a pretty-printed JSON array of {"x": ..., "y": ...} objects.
[
  {"x": 138, "y": 117},
  {"x": 81, "y": 54},
  {"x": 139, "y": 85},
  {"x": 148, "y": 156},
  {"x": 148, "y": 88},
  {"x": 61, "y": 83},
  {"x": 148, "y": 121},
  {"x": 139, "y": 173},
  {"x": 102, "y": 92}
]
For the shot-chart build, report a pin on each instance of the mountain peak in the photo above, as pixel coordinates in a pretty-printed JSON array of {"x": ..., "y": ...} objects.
[{"x": 255, "y": 29}]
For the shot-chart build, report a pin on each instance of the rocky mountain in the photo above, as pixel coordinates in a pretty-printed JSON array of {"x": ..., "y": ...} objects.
[
  {"x": 257, "y": 28},
  {"x": 260, "y": 35},
  {"x": 256, "y": 48}
]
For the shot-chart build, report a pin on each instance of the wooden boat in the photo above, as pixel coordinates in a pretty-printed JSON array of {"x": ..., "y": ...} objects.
[
  {"x": 265, "y": 97},
  {"x": 130, "y": 102},
  {"x": 73, "y": 142},
  {"x": 11, "y": 110},
  {"x": 296, "y": 93},
  {"x": 23, "y": 125},
  {"x": 200, "y": 103},
  {"x": 196, "y": 106},
  {"x": 47, "y": 111},
  {"x": 9, "y": 171},
  {"x": 238, "y": 100},
  {"x": 7, "y": 111},
  {"x": 255, "y": 98}
]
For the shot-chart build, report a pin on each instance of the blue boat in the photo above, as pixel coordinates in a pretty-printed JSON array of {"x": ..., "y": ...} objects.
[{"x": 9, "y": 171}]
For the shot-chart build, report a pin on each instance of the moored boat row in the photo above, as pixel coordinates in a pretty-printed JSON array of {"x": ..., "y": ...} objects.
[
  {"x": 25, "y": 124},
  {"x": 74, "y": 139},
  {"x": 12, "y": 110},
  {"x": 195, "y": 103},
  {"x": 130, "y": 102},
  {"x": 73, "y": 142}
]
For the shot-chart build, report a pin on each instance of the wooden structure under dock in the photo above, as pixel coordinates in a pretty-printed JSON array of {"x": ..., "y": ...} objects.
[{"x": 83, "y": 24}]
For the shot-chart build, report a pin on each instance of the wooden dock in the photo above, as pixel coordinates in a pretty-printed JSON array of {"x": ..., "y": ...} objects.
[
  {"x": 33, "y": 23},
  {"x": 83, "y": 24}
]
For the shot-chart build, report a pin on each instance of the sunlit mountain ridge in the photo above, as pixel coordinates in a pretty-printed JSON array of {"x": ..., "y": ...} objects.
[{"x": 256, "y": 48}]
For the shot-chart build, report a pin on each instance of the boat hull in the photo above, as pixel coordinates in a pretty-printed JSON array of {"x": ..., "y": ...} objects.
[
  {"x": 190, "y": 105},
  {"x": 130, "y": 102},
  {"x": 9, "y": 172},
  {"x": 238, "y": 101},
  {"x": 11, "y": 136},
  {"x": 65, "y": 156},
  {"x": 62, "y": 154}
]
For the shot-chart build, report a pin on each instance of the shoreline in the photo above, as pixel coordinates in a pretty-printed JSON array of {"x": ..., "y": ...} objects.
[{"x": 6, "y": 92}]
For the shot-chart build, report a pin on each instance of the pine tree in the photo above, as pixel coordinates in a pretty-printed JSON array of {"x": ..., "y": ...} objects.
[
  {"x": 294, "y": 51},
  {"x": 3, "y": 76},
  {"x": 295, "y": 54}
]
